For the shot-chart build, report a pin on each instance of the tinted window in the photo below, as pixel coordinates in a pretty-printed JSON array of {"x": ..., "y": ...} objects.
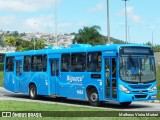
[
  {"x": 94, "y": 61},
  {"x": 37, "y": 63},
  {"x": 78, "y": 62},
  {"x": 27, "y": 63},
  {"x": 44, "y": 62},
  {"x": 65, "y": 62},
  {"x": 9, "y": 64},
  {"x": 18, "y": 68}
]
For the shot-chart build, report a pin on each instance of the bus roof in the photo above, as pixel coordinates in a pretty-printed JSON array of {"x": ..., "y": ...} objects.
[{"x": 74, "y": 48}]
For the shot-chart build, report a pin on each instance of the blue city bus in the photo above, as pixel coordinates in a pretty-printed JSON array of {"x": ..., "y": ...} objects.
[{"x": 114, "y": 72}]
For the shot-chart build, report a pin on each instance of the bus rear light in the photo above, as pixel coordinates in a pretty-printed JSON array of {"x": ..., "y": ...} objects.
[{"x": 124, "y": 89}]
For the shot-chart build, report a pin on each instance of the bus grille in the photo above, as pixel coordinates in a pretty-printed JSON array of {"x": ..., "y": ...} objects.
[
  {"x": 142, "y": 91},
  {"x": 140, "y": 86},
  {"x": 140, "y": 96}
]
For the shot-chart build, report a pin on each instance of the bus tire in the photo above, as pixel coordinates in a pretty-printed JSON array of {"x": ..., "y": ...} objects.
[
  {"x": 125, "y": 104},
  {"x": 93, "y": 97},
  {"x": 33, "y": 91}
]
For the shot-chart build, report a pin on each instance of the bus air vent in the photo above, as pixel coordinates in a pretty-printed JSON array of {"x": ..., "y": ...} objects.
[{"x": 140, "y": 96}]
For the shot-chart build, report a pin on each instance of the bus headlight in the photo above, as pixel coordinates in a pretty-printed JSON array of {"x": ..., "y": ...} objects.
[
  {"x": 153, "y": 89},
  {"x": 124, "y": 89}
]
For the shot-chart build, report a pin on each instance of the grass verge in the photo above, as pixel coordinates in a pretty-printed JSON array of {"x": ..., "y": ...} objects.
[{"x": 32, "y": 106}]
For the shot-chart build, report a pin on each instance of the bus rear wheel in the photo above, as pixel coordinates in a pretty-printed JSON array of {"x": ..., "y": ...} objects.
[
  {"x": 33, "y": 91},
  {"x": 125, "y": 104},
  {"x": 93, "y": 97}
]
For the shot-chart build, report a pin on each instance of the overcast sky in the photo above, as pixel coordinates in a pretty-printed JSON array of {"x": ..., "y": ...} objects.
[{"x": 143, "y": 17}]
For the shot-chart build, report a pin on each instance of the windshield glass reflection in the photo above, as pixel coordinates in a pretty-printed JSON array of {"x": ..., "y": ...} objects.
[{"x": 137, "y": 69}]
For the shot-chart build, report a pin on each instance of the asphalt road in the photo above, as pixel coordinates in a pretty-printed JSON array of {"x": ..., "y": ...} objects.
[{"x": 135, "y": 106}]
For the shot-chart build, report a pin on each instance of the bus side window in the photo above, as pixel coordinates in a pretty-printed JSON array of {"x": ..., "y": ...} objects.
[
  {"x": 45, "y": 63},
  {"x": 37, "y": 63},
  {"x": 78, "y": 62},
  {"x": 94, "y": 62},
  {"x": 9, "y": 64},
  {"x": 65, "y": 62},
  {"x": 27, "y": 63}
]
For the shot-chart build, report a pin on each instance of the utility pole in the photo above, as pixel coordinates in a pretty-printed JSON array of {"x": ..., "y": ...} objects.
[
  {"x": 152, "y": 37},
  {"x": 126, "y": 20},
  {"x": 129, "y": 41},
  {"x": 108, "y": 21},
  {"x": 34, "y": 35},
  {"x": 56, "y": 22},
  {"x": 152, "y": 30}
]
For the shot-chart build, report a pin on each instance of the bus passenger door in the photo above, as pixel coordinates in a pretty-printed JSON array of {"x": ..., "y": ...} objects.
[
  {"x": 111, "y": 77},
  {"x": 54, "y": 81},
  {"x": 18, "y": 75}
]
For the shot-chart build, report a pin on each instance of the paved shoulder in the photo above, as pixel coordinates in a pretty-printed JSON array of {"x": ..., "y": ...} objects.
[{"x": 3, "y": 92}]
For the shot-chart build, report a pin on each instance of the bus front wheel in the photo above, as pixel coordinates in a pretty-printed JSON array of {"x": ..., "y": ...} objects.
[
  {"x": 33, "y": 91},
  {"x": 93, "y": 97}
]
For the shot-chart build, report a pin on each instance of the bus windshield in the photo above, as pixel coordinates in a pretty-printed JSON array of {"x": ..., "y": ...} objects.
[{"x": 137, "y": 69}]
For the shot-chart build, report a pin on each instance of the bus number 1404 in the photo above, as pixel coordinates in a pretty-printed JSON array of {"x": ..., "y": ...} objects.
[{"x": 79, "y": 91}]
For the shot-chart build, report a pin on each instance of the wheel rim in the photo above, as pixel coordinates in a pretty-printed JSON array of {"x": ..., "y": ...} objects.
[
  {"x": 32, "y": 92},
  {"x": 94, "y": 97}
]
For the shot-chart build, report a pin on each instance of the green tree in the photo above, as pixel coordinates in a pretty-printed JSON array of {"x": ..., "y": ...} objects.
[
  {"x": 10, "y": 40},
  {"x": 116, "y": 41},
  {"x": 89, "y": 35},
  {"x": 22, "y": 34},
  {"x": 156, "y": 48},
  {"x": 149, "y": 43},
  {"x": 40, "y": 44},
  {"x": 15, "y": 34},
  {"x": 1, "y": 41},
  {"x": 22, "y": 45}
]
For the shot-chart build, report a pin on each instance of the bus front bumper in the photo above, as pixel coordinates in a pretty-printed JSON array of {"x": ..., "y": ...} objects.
[{"x": 124, "y": 97}]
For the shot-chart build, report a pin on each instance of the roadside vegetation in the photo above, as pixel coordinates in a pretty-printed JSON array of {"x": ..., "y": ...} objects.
[
  {"x": 86, "y": 35},
  {"x": 15, "y": 39},
  {"x": 1, "y": 79},
  {"x": 158, "y": 81}
]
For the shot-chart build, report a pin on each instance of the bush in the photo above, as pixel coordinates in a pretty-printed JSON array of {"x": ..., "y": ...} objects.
[
  {"x": 158, "y": 67},
  {"x": 1, "y": 66},
  {"x": 158, "y": 81},
  {"x": 1, "y": 79}
]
